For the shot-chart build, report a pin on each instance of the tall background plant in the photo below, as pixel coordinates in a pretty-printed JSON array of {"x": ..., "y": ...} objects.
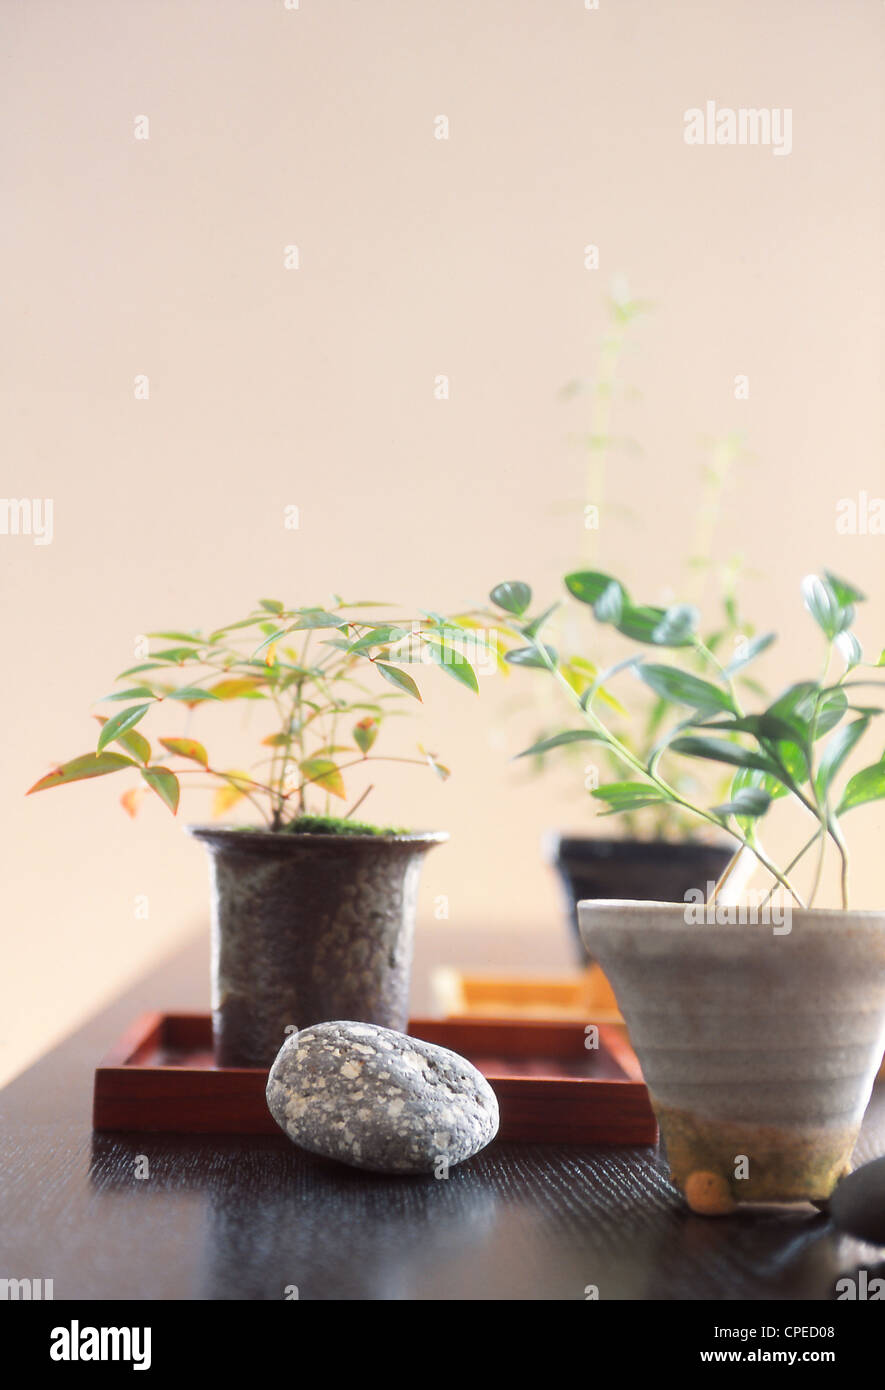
[{"x": 599, "y": 443}]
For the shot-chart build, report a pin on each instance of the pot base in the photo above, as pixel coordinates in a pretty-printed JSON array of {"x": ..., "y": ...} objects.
[{"x": 720, "y": 1165}]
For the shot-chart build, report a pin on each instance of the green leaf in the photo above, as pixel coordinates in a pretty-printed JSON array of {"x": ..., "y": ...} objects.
[
  {"x": 237, "y": 687},
  {"x": 382, "y": 636},
  {"x": 797, "y": 704},
  {"x": 557, "y": 740},
  {"x": 192, "y": 637},
  {"x": 530, "y": 656},
  {"x": 836, "y": 751},
  {"x": 164, "y": 783},
  {"x": 849, "y": 649},
  {"x": 584, "y": 667},
  {"x": 192, "y": 694},
  {"x": 273, "y": 636},
  {"x": 366, "y": 603},
  {"x": 681, "y": 688},
  {"x": 135, "y": 692},
  {"x": 650, "y": 625},
  {"x": 789, "y": 735},
  {"x": 750, "y": 652},
  {"x": 322, "y": 772},
  {"x": 843, "y": 592},
  {"x": 767, "y": 726},
  {"x": 830, "y": 711},
  {"x": 449, "y": 659},
  {"x": 659, "y": 711},
  {"x": 750, "y": 801},
  {"x": 134, "y": 742},
  {"x": 457, "y": 630},
  {"x": 120, "y": 724},
  {"x": 752, "y": 777},
  {"x": 174, "y": 655},
  {"x": 233, "y": 627},
  {"x": 143, "y": 666},
  {"x": 866, "y": 785},
  {"x": 677, "y": 627},
  {"x": 831, "y": 615},
  {"x": 78, "y": 769},
  {"x": 513, "y": 596},
  {"x": 187, "y": 748},
  {"x": 717, "y": 750},
  {"x": 401, "y": 679},
  {"x": 365, "y": 733},
  {"x": 629, "y": 796},
  {"x": 316, "y": 618},
  {"x": 272, "y": 605},
  {"x": 610, "y": 604},
  {"x": 590, "y": 585},
  {"x": 796, "y": 701}
]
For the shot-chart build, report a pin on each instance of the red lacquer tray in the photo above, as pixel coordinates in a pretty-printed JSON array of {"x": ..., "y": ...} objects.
[{"x": 550, "y": 1087}]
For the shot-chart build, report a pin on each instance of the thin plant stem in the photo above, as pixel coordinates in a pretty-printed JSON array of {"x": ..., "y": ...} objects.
[
  {"x": 725, "y": 875},
  {"x": 359, "y": 801}
]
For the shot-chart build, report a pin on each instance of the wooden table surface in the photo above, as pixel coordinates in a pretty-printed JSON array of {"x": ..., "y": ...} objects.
[{"x": 240, "y": 1218}]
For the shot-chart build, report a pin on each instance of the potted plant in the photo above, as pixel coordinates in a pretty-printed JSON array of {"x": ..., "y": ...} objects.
[
  {"x": 760, "y": 1024},
  {"x": 312, "y": 913},
  {"x": 659, "y": 852}
]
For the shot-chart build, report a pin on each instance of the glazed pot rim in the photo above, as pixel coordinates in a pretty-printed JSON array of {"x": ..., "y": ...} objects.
[
  {"x": 673, "y": 914},
  {"x": 245, "y": 835}
]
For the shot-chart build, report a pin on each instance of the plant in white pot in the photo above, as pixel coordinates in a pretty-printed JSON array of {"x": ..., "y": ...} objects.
[
  {"x": 312, "y": 913},
  {"x": 759, "y": 1025}
]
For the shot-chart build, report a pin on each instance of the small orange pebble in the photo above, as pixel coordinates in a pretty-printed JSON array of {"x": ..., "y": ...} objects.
[{"x": 708, "y": 1194}]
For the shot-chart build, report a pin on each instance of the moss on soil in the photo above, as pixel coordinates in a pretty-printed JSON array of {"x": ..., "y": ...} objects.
[{"x": 335, "y": 825}]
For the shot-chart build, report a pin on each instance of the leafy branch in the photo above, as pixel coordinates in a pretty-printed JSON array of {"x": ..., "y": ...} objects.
[
  {"x": 794, "y": 747},
  {"x": 306, "y": 666}
]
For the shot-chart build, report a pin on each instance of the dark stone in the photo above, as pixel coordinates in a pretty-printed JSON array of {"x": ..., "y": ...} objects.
[{"x": 858, "y": 1203}]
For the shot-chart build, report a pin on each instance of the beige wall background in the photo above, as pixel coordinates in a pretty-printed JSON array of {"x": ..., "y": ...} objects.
[{"x": 272, "y": 126}]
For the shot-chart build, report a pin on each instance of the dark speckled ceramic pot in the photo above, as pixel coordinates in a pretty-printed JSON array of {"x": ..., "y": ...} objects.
[{"x": 305, "y": 929}]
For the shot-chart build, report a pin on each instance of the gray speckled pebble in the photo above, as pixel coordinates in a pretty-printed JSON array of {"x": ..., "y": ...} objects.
[{"x": 380, "y": 1100}]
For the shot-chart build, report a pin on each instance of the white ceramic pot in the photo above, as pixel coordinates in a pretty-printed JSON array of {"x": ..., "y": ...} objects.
[{"x": 759, "y": 1043}]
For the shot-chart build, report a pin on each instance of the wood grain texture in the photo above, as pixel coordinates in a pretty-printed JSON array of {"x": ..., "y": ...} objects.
[{"x": 242, "y": 1218}]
